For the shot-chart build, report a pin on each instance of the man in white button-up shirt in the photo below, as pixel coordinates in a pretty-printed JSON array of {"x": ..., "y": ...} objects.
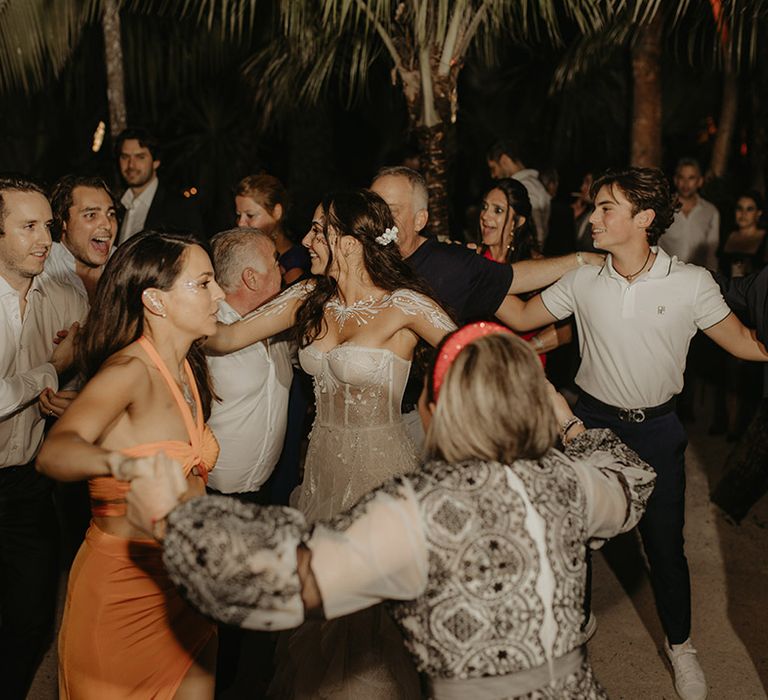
[
  {"x": 33, "y": 308},
  {"x": 636, "y": 316},
  {"x": 253, "y": 383},
  {"x": 695, "y": 232}
]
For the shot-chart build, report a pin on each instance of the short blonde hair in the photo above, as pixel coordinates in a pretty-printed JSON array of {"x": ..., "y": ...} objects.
[{"x": 493, "y": 405}]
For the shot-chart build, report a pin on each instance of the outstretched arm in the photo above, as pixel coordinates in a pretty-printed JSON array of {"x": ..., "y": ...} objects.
[
  {"x": 374, "y": 552},
  {"x": 271, "y": 318},
  {"x": 530, "y": 275},
  {"x": 524, "y": 315},
  {"x": 734, "y": 337}
]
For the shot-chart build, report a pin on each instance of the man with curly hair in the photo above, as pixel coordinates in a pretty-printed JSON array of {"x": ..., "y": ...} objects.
[{"x": 636, "y": 316}]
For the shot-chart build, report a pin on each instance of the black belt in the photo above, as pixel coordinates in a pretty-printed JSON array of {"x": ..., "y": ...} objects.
[{"x": 629, "y": 415}]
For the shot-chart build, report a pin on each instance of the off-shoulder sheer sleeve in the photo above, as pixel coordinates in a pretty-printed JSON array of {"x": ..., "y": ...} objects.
[
  {"x": 236, "y": 562},
  {"x": 376, "y": 551},
  {"x": 616, "y": 481}
]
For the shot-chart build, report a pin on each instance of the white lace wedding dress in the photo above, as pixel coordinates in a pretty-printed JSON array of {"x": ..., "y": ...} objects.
[{"x": 358, "y": 442}]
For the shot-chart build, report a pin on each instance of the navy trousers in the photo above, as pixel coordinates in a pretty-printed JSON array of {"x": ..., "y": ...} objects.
[{"x": 660, "y": 441}]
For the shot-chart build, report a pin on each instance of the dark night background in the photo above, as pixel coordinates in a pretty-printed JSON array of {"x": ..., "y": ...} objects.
[{"x": 195, "y": 91}]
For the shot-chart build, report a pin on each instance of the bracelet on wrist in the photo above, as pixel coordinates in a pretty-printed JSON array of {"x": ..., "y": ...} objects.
[{"x": 568, "y": 425}]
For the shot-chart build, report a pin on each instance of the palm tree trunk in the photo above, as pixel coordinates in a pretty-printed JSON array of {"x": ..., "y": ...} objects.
[
  {"x": 434, "y": 166},
  {"x": 728, "y": 110},
  {"x": 433, "y": 137},
  {"x": 646, "y": 117},
  {"x": 113, "y": 56}
]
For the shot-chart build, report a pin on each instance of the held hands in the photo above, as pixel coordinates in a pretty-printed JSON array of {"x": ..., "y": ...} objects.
[
  {"x": 53, "y": 403},
  {"x": 570, "y": 426},
  {"x": 153, "y": 495}
]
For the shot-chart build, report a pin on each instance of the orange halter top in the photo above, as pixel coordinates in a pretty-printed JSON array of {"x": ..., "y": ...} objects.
[{"x": 202, "y": 450}]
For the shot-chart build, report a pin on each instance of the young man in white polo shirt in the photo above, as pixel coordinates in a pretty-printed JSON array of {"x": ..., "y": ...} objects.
[{"x": 636, "y": 316}]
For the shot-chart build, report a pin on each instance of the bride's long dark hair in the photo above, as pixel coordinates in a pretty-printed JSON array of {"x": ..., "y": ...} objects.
[{"x": 363, "y": 215}]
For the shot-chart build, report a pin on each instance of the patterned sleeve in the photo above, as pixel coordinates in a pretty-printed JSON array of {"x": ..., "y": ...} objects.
[
  {"x": 616, "y": 481},
  {"x": 376, "y": 551},
  {"x": 236, "y": 562}
]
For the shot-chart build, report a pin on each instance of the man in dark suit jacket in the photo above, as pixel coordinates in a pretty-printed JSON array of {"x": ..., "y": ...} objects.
[{"x": 148, "y": 203}]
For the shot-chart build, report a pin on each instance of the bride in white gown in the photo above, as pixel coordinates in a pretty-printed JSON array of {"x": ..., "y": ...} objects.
[{"x": 358, "y": 323}]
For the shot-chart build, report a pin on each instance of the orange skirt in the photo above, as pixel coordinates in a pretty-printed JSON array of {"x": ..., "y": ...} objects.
[{"x": 126, "y": 631}]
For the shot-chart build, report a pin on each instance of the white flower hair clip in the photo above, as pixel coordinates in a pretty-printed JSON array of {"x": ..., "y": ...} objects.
[{"x": 388, "y": 236}]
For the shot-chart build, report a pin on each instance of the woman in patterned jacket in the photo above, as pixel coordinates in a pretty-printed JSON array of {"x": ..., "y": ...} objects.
[{"x": 481, "y": 552}]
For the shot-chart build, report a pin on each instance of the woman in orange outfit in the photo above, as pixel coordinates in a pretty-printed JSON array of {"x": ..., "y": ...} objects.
[{"x": 126, "y": 632}]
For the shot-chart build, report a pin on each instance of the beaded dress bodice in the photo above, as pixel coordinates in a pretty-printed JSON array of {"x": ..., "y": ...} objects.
[
  {"x": 355, "y": 386},
  {"x": 358, "y": 440}
]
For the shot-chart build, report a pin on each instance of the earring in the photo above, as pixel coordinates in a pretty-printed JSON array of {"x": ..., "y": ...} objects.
[{"x": 155, "y": 303}]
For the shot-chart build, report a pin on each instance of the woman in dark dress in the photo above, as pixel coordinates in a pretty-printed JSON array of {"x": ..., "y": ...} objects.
[{"x": 743, "y": 253}]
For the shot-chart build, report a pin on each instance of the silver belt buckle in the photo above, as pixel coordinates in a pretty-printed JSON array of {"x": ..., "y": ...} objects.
[{"x": 632, "y": 415}]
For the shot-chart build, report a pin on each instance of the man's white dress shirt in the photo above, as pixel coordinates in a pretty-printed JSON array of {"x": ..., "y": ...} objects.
[
  {"x": 136, "y": 210},
  {"x": 694, "y": 237},
  {"x": 251, "y": 418},
  {"x": 26, "y": 346},
  {"x": 60, "y": 266}
]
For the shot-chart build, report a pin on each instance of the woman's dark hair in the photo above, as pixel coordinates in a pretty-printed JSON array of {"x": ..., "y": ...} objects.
[
  {"x": 116, "y": 319},
  {"x": 363, "y": 215},
  {"x": 644, "y": 188},
  {"x": 755, "y": 196},
  {"x": 525, "y": 244}
]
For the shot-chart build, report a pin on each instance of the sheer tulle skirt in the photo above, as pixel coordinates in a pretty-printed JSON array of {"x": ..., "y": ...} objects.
[
  {"x": 343, "y": 464},
  {"x": 359, "y": 656}
]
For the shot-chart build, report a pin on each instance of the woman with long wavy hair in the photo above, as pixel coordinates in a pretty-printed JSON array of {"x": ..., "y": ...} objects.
[
  {"x": 126, "y": 632},
  {"x": 358, "y": 323},
  {"x": 508, "y": 236}
]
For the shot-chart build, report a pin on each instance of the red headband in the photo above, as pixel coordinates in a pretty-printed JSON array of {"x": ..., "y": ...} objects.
[{"x": 455, "y": 343}]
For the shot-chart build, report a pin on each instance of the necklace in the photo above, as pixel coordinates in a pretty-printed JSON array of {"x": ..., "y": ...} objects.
[
  {"x": 186, "y": 392},
  {"x": 361, "y": 311},
  {"x": 629, "y": 278}
]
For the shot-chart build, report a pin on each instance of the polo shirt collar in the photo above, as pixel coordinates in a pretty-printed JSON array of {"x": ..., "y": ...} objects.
[{"x": 661, "y": 267}]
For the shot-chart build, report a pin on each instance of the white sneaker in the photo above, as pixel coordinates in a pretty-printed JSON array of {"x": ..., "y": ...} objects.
[
  {"x": 690, "y": 683},
  {"x": 590, "y": 627}
]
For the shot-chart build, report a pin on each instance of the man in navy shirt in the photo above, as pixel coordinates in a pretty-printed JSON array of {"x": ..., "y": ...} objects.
[{"x": 466, "y": 284}]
